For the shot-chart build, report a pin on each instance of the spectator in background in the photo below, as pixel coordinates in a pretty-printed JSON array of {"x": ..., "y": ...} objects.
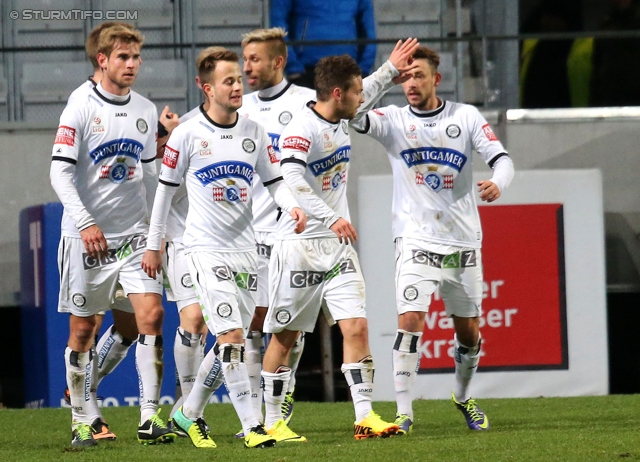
[
  {"x": 306, "y": 20},
  {"x": 616, "y": 62}
]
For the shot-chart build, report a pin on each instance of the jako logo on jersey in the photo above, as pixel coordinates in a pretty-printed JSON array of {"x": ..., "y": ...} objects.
[
  {"x": 65, "y": 135},
  {"x": 275, "y": 139},
  {"x": 228, "y": 169},
  {"x": 121, "y": 114},
  {"x": 170, "y": 158},
  {"x": 339, "y": 155},
  {"x": 441, "y": 156},
  {"x": 226, "y": 137},
  {"x": 122, "y": 147},
  {"x": 296, "y": 142},
  {"x": 489, "y": 133}
]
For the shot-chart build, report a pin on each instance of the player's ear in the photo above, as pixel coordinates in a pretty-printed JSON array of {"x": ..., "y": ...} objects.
[
  {"x": 279, "y": 62},
  {"x": 336, "y": 93},
  {"x": 438, "y": 79},
  {"x": 102, "y": 60}
]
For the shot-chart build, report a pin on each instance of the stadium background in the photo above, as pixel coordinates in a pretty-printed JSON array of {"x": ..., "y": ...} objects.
[{"x": 42, "y": 61}]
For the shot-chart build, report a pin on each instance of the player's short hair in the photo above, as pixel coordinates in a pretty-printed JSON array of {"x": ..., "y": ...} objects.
[
  {"x": 334, "y": 72},
  {"x": 274, "y": 37},
  {"x": 431, "y": 56},
  {"x": 208, "y": 62},
  {"x": 91, "y": 45},
  {"x": 206, "y": 52},
  {"x": 118, "y": 33}
]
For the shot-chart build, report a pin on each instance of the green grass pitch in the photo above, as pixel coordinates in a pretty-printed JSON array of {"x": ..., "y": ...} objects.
[{"x": 545, "y": 429}]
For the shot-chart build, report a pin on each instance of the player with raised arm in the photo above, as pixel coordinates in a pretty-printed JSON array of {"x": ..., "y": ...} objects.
[
  {"x": 436, "y": 226},
  {"x": 104, "y": 173},
  {"x": 272, "y": 104},
  {"x": 216, "y": 154},
  {"x": 321, "y": 263}
]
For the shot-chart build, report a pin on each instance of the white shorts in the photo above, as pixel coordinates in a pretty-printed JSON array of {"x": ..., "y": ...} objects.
[
  {"x": 177, "y": 278},
  {"x": 88, "y": 285},
  {"x": 264, "y": 245},
  {"x": 225, "y": 284},
  {"x": 303, "y": 272},
  {"x": 420, "y": 272}
]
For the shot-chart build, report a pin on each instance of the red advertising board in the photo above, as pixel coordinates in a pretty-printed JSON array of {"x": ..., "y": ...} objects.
[{"x": 523, "y": 325}]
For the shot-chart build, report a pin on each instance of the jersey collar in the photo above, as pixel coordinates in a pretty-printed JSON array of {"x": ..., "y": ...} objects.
[
  {"x": 310, "y": 105},
  {"x": 433, "y": 113},
  {"x": 280, "y": 90},
  {"x": 99, "y": 91},
  {"x": 206, "y": 116}
]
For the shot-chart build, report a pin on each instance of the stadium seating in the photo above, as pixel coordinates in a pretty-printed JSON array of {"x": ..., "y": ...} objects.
[{"x": 164, "y": 81}]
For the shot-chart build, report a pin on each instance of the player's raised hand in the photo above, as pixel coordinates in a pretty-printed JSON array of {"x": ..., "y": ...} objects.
[
  {"x": 168, "y": 119},
  {"x": 402, "y": 58},
  {"x": 152, "y": 263},
  {"x": 488, "y": 190},
  {"x": 94, "y": 241},
  {"x": 345, "y": 232},
  {"x": 300, "y": 218}
]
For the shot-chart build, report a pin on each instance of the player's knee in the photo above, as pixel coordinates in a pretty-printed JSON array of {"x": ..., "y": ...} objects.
[
  {"x": 356, "y": 331},
  {"x": 82, "y": 332}
]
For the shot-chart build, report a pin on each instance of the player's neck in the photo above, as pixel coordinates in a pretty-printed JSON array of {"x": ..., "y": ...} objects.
[
  {"x": 221, "y": 116},
  {"x": 109, "y": 95},
  {"x": 327, "y": 110},
  {"x": 111, "y": 87},
  {"x": 276, "y": 87},
  {"x": 431, "y": 104},
  {"x": 97, "y": 76}
]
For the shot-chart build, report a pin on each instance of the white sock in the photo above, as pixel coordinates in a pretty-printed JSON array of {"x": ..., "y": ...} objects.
[
  {"x": 466, "y": 361},
  {"x": 231, "y": 355},
  {"x": 405, "y": 369},
  {"x": 78, "y": 366},
  {"x": 253, "y": 353},
  {"x": 275, "y": 384},
  {"x": 93, "y": 410},
  {"x": 112, "y": 348},
  {"x": 360, "y": 379},
  {"x": 208, "y": 380},
  {"x": 186, "y": 351},
  {"x": 294, "y": 361},
  {"x": 150, "y": 368}
]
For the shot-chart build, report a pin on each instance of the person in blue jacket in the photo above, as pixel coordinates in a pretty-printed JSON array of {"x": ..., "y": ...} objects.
[{"x": 307, "y": 20}]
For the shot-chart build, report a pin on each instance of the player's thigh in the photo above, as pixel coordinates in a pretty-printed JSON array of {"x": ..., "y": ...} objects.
[
  {"x": 296, "y": 274},
  {"x": 417, "y": 277},
  {"x": 461, "y": 288},
  {"x": 86, "y": 283},
  {"x": 344, "y": 288},
  {"x": 224, "y": 306}
]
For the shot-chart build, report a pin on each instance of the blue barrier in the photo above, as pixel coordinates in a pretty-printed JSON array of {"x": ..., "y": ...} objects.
[{"x": 45, "y": 331}]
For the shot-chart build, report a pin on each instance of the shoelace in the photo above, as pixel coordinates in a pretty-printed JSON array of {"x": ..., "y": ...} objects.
[
  {"x": 202, "y": 428},
  {"x": 259, "y": 429},
  {"x": 84, "y": 432},
  {"x": 157, "y": 421},
  {"x": 471, "y": 408}
]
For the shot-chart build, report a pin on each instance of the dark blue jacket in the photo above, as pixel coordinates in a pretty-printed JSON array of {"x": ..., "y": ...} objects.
[{"x": 326, "y": 20}]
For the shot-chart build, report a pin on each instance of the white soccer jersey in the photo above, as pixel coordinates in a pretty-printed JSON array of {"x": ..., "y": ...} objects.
[
  {"x": 431, "y": 159},
  {"x": 273, "y": 113},
  {"x": 324, "y": 148},
  {"x": 107, "y": 140},
  {"x": 83, "y": 89},
  {"x": 218, "y": 163}
]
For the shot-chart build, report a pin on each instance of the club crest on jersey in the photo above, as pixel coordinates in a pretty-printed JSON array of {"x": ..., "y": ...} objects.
[
  {"x": 97, "y": 126},
  {"x": 248, "y": 145},
  {"x": 121, "y": 147},
  {"x": 442, "y": 156},
  {"x": 283, "y": 316},
  {"x": 324, "y": 165},
  {"x": 230, "y": 193},
  {"x": 345, "y": 127},
  {"x": 332, "y": 181},
  {"x": 226, "y": 169},
  {"x": 142, "y": 126},
  {"x": 285, "y": 117},
  {"x": 453, "y": 131},
  {"x": 224, "y": 310},
  {"x": 434, "y": 180},
  {"x": 118, "y": 172}
]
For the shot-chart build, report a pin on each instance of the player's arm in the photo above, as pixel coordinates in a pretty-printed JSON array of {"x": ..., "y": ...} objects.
[
  {"x": 62, "y": 172},
  {"x": 171, "y": 173},
  {"x": 147, "y": 159},
  {"x": 392, "y": 72},
  {"x": 487, "y": 145},
  {"x": 268, "y": 167},
  {"x": 166, "y": 123}
]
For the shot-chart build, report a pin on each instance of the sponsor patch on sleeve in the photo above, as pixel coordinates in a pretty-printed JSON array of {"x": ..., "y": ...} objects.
[
  {"x": 65, "y": 135},
  {"x": 170, "y": 158},
  {"x": 298, "y": 143},
  {"x": 272, "y": 155},
  {"x": 378, "y": 111},
  {"x": 491, "y": 136}
]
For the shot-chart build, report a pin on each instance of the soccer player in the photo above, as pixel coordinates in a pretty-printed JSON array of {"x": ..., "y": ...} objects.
[
  {"x": 436, "y": 226},
  {"x": 321, "y": 262},
  {"x": 216, "y": 153},
  {"x": 272, "y": 104},
  {"x": 103, "y": 172}
]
